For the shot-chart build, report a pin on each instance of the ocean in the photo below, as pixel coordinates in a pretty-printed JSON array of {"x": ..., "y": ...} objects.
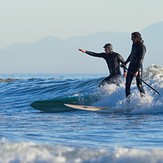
[{"x": 28, "y": 135}]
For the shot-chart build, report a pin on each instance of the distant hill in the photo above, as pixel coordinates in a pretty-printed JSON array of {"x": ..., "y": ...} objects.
[
  {"x": 153, "y": 37},
  {"x": 53, "y": 55}
]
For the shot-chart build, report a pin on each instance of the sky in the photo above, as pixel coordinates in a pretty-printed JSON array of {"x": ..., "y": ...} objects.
[{"x": 30, "y": 20}]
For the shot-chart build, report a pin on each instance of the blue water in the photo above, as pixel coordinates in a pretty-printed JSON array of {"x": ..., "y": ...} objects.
[{"x": 29, "y": 135}]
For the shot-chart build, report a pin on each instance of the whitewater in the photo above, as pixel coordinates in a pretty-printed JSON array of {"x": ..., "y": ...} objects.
[{"x": 30, "y": 136}]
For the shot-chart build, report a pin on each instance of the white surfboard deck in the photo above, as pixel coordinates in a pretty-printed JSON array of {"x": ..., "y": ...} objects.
[
  {"x": 86, "y": 107},
  {"x": 108, "y": 109}
]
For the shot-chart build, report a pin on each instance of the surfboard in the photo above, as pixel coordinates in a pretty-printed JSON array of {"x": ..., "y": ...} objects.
[
  {"x": 88, "y": 108},
  {"x": 108, "y": 109},
  {"x": 71, "y": 104},
  {"x": 54, "y": 105},
  {"x": 57, "y": 104}
]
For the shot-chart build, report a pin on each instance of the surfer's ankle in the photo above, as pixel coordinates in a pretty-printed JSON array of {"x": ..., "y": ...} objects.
[
  {"x": 142, "y": 94},
  {"x": 128, "y": 96}
]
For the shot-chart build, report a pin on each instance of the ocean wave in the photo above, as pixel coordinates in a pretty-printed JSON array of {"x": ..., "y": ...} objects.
[
  {"x": 24, "y": 90},
  {"x": 36, "y": 153},
  {"x": 151, "y": 103},
  {"x": 7, "y": 80}
]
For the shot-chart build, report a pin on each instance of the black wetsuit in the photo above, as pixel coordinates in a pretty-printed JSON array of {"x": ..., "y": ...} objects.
[
  {"x": 113, "y": 60},
  {"x": 136, "y": 65}
]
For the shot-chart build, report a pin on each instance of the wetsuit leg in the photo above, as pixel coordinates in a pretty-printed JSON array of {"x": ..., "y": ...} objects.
[
  {"x": 111, "y": 80},
  {"x": 118, "y": 80},
  {"x": 139, "y": 82},
  {"x": 129, "y": 79}
]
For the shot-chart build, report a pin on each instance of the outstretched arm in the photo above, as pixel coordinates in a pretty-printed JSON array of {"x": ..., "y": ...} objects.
[{"x": 91, "y": 53}]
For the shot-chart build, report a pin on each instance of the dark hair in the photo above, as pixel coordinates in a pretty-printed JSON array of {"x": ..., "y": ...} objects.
[
  {"x": 138, "y": 35},
  {"x": 107, "y": 45}
]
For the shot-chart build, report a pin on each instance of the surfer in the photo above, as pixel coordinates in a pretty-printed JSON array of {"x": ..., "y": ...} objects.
[
  {"x": 113, "y": 61},
  {"x": 135, "y": 68}
]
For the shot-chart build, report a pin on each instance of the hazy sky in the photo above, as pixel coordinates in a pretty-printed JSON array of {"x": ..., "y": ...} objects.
[{"x": 31, "y": 20}]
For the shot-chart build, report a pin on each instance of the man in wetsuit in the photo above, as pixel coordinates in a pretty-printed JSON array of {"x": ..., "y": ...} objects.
[
  {"x": 136, "y": 63},
  {"x": 113, "y": 61}
]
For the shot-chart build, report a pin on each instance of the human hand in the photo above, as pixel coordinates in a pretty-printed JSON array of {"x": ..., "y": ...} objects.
[
  {"x": 125, "y": 74},
  {"x": 135, "y": 74},
  {"x": 122, "y": 65},
  {"x": 82, "y": 50}
]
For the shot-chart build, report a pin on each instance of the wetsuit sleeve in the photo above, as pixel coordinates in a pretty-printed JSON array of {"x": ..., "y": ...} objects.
[
  {"x": 129, "y": 57},
  {"x": 95, "y": 54},
  {"x": 120, "y": 59}
]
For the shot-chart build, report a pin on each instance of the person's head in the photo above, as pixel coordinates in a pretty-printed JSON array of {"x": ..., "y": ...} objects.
[
  {"x": 136, "y": 37},
  {"x": 108, "y": 48}
]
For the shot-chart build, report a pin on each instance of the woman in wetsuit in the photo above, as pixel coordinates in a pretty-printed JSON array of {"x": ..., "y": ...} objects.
[
  {"x": 113, "y": 61},
  {"x": 136, "y": 63}
]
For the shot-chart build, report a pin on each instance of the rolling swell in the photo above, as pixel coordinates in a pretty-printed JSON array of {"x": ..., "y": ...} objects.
[{"x": 21, "y": 91}]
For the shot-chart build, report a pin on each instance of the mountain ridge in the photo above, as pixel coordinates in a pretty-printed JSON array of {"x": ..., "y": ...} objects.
[{"x": 54, "y": 55}]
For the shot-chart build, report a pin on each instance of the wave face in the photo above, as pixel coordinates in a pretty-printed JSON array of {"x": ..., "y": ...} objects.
[{"x": 28, "y": 135}]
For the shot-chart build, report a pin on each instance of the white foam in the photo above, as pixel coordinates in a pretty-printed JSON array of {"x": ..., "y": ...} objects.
[
  {"x": 113, "y": 95},
  {"x": 30, "y": 152}
]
